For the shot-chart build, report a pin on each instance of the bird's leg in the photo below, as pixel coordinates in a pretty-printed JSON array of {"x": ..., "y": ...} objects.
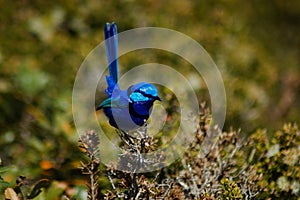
[
  {"x": 144, "y": 136},
  {"x": 143, "y": 130}
]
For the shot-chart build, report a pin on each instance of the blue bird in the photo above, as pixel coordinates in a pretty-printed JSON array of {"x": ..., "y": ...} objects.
[{"x": 125, "y": 109}]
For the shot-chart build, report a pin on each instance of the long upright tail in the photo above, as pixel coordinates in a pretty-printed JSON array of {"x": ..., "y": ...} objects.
[{"x": 111, "y": 43}]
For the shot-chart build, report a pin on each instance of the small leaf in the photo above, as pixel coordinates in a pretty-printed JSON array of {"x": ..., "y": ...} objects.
[
  {"x": 283, "y": 183},
  {"x": 10, "y": 194},
  {"x": 273, "y": 150}
]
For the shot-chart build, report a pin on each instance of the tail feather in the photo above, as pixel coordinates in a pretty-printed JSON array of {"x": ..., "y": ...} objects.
[{"x": 111, "y": 43}]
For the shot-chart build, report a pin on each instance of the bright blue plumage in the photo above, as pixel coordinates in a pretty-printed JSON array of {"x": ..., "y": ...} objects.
[
  {"x": 125, "y": 109},
  {"x": 111, "y": 44}
]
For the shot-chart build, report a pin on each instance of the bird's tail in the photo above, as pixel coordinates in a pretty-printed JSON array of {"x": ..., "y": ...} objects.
[{"x": 111, "y": 43}]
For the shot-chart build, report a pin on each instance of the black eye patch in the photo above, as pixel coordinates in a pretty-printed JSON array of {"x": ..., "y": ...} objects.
[{"x": 146, "y": 95}]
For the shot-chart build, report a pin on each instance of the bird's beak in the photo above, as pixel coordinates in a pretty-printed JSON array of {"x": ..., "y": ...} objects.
[{"x": 158, "y": 98}]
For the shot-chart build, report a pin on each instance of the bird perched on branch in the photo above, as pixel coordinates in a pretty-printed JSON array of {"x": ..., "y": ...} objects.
[{"x": 125, "y": 109}]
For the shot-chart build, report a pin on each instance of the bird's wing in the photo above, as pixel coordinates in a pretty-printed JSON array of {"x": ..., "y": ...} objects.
[
  {"x": 109, "y": 103},
  {"x": 116, "y": 102},
  {"x": 106, "y": 103},
  {"x": 111, "y": 43}
]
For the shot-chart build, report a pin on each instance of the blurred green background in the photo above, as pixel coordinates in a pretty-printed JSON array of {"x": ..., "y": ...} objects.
[{"x": 43, "y": 43}]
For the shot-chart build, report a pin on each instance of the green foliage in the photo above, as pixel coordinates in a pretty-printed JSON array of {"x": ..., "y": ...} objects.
[
  {"x": 31, "y": 82},
  {"x": 254, "y": 168},
  {"x": 230, "y": 190},
  {"x": 22, "y": 188},
  {"x": 277, "y": 161},
  {"x": 3, "y": 186}
]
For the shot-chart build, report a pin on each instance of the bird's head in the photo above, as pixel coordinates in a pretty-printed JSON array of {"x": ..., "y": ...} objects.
[{"x": 143, "y": 92}]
